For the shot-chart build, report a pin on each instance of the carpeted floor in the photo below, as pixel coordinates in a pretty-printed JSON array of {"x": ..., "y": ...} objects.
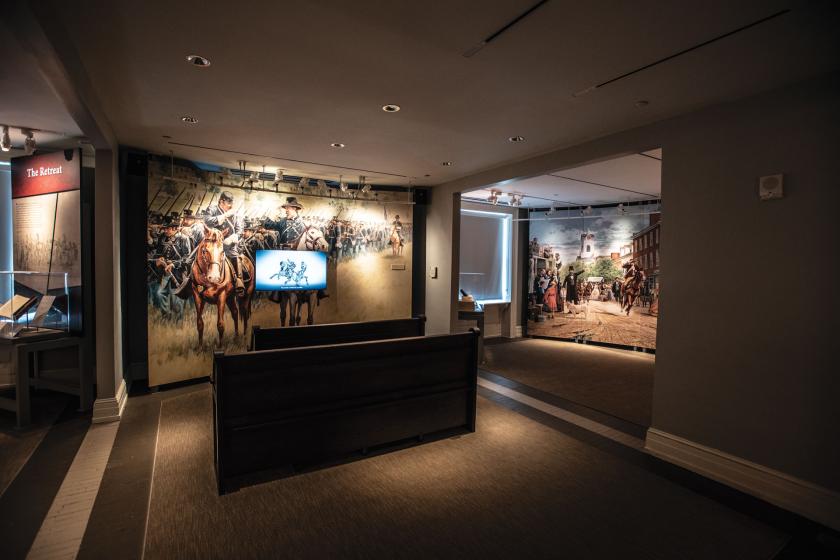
[
  {"x": 617, "y": 382},
  {"x": 513, "y": 489},
  {"x": 16, "y": 446}
]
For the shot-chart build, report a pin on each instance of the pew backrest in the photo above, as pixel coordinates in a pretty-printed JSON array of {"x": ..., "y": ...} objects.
[{"x": 335, "y": 333}]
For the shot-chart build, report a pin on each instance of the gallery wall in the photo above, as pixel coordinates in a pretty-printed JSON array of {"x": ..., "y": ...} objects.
[
  {"x": 368, "y": 278},
  {"x": 744, "y": 359}
]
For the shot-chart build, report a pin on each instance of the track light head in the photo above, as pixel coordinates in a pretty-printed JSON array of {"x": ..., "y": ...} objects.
[
  {"x": 29, "y": 143},
  {"x": 5, "y": 141},
  {"x": 304, "y": 182},
  {"x": 366, "y": 187},
  {"x": 322, "y": 185},
  {"x": 493, "y": 198},
  {"x": 343, "y": 186},
  {"x": 278, "y": 177}
]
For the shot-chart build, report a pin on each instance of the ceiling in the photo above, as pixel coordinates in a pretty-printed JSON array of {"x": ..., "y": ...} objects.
[
  {"x": 288, "y": 79},
  {"x": 625, "y": 179},
  {"x": 27, "y": 100}
]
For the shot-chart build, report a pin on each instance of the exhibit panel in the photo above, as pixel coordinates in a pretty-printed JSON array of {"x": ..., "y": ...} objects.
[
  {"x": 44, "y": 288},
  {"x": 593, "y": 274},
  {"x": 224, "y": 254}
]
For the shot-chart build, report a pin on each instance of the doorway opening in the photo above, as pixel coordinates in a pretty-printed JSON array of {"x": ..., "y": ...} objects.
[{"x": 586, "y": 265}]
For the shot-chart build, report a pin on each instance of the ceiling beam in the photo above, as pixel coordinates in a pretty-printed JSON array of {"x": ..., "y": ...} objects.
[{"x": 39, "y": 32}]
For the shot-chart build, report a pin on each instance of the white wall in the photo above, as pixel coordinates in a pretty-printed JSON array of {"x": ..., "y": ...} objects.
[{"x": 749, "y": 309}]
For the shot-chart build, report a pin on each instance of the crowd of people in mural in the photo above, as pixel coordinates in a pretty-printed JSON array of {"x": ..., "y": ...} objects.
[
  {"x": 173, "y": 240},
  {"x": 553, "y": 295}
]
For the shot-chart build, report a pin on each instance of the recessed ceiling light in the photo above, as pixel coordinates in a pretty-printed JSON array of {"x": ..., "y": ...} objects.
[
  {"x": 642, "y": 103},
  {"x": 516, "y": 139},
  {"x": 337, "y": 145},
  {"x": 199, "y": 61},
  {"x": 189, "y": 119},
  {"x": 446, "y": 163},
  {"x": 391, "y": 108}
]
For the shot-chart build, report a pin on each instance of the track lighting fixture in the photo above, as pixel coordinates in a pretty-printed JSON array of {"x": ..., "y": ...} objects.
[
  {"x": 322, "y": 185},
  {"x": 278, "y": 178},
  {"x": 586, "y": 211},
  {"x": 6, "y": 142},
  {"x": 516, "y": 200},
  {"x": 366, "y": 187},
  {"x": 342, "y": 186},
  {"x": 29, "y": 142},
  {"x": 621, "y": 209},
  {"x": 551, "y": 212},
  {"x": 304, "y": 182},
  {"x": 493, "y": 198},
  {"x": 249, "y": 180}
]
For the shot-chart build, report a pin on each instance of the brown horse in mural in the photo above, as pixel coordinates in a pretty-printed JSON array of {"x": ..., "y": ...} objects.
[
  {"x": 243, "y": 301},
  {"x": 308, "y": 297},
  {"x": 396, "y": 245},
  {"x": 212, "y": 282},
  {"x": 633, "y": 278}
]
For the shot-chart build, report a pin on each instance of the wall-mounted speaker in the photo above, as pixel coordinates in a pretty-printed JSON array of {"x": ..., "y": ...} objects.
[
  {"x": 770, "y": 186},
  {"x": 421, "y": 196}
]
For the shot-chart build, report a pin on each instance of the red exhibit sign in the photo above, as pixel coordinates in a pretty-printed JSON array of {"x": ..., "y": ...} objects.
[{"x": 47, "y": 173}]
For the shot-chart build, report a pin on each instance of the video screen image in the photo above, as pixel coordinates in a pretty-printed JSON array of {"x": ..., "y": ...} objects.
[{"x": 291, "y": 270}]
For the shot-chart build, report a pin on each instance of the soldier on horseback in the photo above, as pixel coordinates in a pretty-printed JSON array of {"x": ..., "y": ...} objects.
[{"x": 224, "y": 218}]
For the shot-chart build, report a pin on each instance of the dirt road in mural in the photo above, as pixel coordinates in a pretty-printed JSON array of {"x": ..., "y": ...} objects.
[{"x": 605, "y": 323}]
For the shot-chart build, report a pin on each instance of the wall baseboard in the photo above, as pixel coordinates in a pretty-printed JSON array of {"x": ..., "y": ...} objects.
[
  {"x": 788, "y": 492},
  {"x": 110, "y": 409}
]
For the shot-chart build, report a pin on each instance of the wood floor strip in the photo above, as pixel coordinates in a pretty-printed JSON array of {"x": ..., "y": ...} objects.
[
  {"x": 557, "y": 412},
  {"x": 62, "y": 530}
]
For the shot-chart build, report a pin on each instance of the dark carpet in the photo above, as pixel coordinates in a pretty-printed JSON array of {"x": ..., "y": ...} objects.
[
  {"x": 616, "y": 382},
  {"x": 514, "y": 489},
  {"x": 17, "y": 445}
]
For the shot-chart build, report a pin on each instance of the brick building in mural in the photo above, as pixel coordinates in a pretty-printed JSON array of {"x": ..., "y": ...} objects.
[{"x": 646, "y": 249}]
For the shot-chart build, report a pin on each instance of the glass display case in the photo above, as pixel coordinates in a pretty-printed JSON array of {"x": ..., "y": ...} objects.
[{"x": 33, "y": 302}]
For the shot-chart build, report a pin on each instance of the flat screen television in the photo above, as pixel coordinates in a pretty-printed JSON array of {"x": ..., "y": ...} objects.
[{"x": 291, "y": 270}]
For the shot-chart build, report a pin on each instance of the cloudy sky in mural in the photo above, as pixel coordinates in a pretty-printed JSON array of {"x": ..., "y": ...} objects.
[{"x": 611, "y": 230}]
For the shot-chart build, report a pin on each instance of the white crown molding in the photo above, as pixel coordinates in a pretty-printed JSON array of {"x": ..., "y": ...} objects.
[
  {"x": 794, "y": 494},
  {"x": 110, "y": 409}
]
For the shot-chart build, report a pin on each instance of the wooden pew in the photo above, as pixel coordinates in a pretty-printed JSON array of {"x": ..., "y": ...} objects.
[
  {"x": 335, "y": 333},
  {"x": 300, "y": 407}
]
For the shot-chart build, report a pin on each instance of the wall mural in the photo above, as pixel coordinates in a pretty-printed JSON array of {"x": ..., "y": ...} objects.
[
  {"x": 595, "y": 277},
  {"x": 206, "y": 238}
]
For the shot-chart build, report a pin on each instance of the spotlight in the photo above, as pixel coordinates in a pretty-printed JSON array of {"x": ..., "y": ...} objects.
[
  {"x": 6, "y": 142},
  {"x": 303, "y": 183},
  {"x": 621, "y": 209},
  {"x": 189, "y": 119},
  {"x": 366, "y": 187},
  {"x": 322, "y": 185},
  {"x": 551, "y": 212},
  {"x": 343, "y": 186},
  {"x": 586, "y": 211},
  {"x": 199, "y": 61},
  {"x": 250, "y": 179},
  {"x": 516, "y": 200},
  {"x": 278, "y": 178},
  {"x": 29, "y": 143},
  {"x": 493, "y": 198}
]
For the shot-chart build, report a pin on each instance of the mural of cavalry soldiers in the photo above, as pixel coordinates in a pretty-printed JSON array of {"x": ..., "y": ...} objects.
[
  {"x": 397, "y": 227},
  {"x": 192, "y": 229},
  {"x": 251, "y": 241},
  {"x": 224, "y": 218},
  {"x": 169, "y": 255},
  {"x": 291, "y": 228},
  {"x": 293, "y": 233}
]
